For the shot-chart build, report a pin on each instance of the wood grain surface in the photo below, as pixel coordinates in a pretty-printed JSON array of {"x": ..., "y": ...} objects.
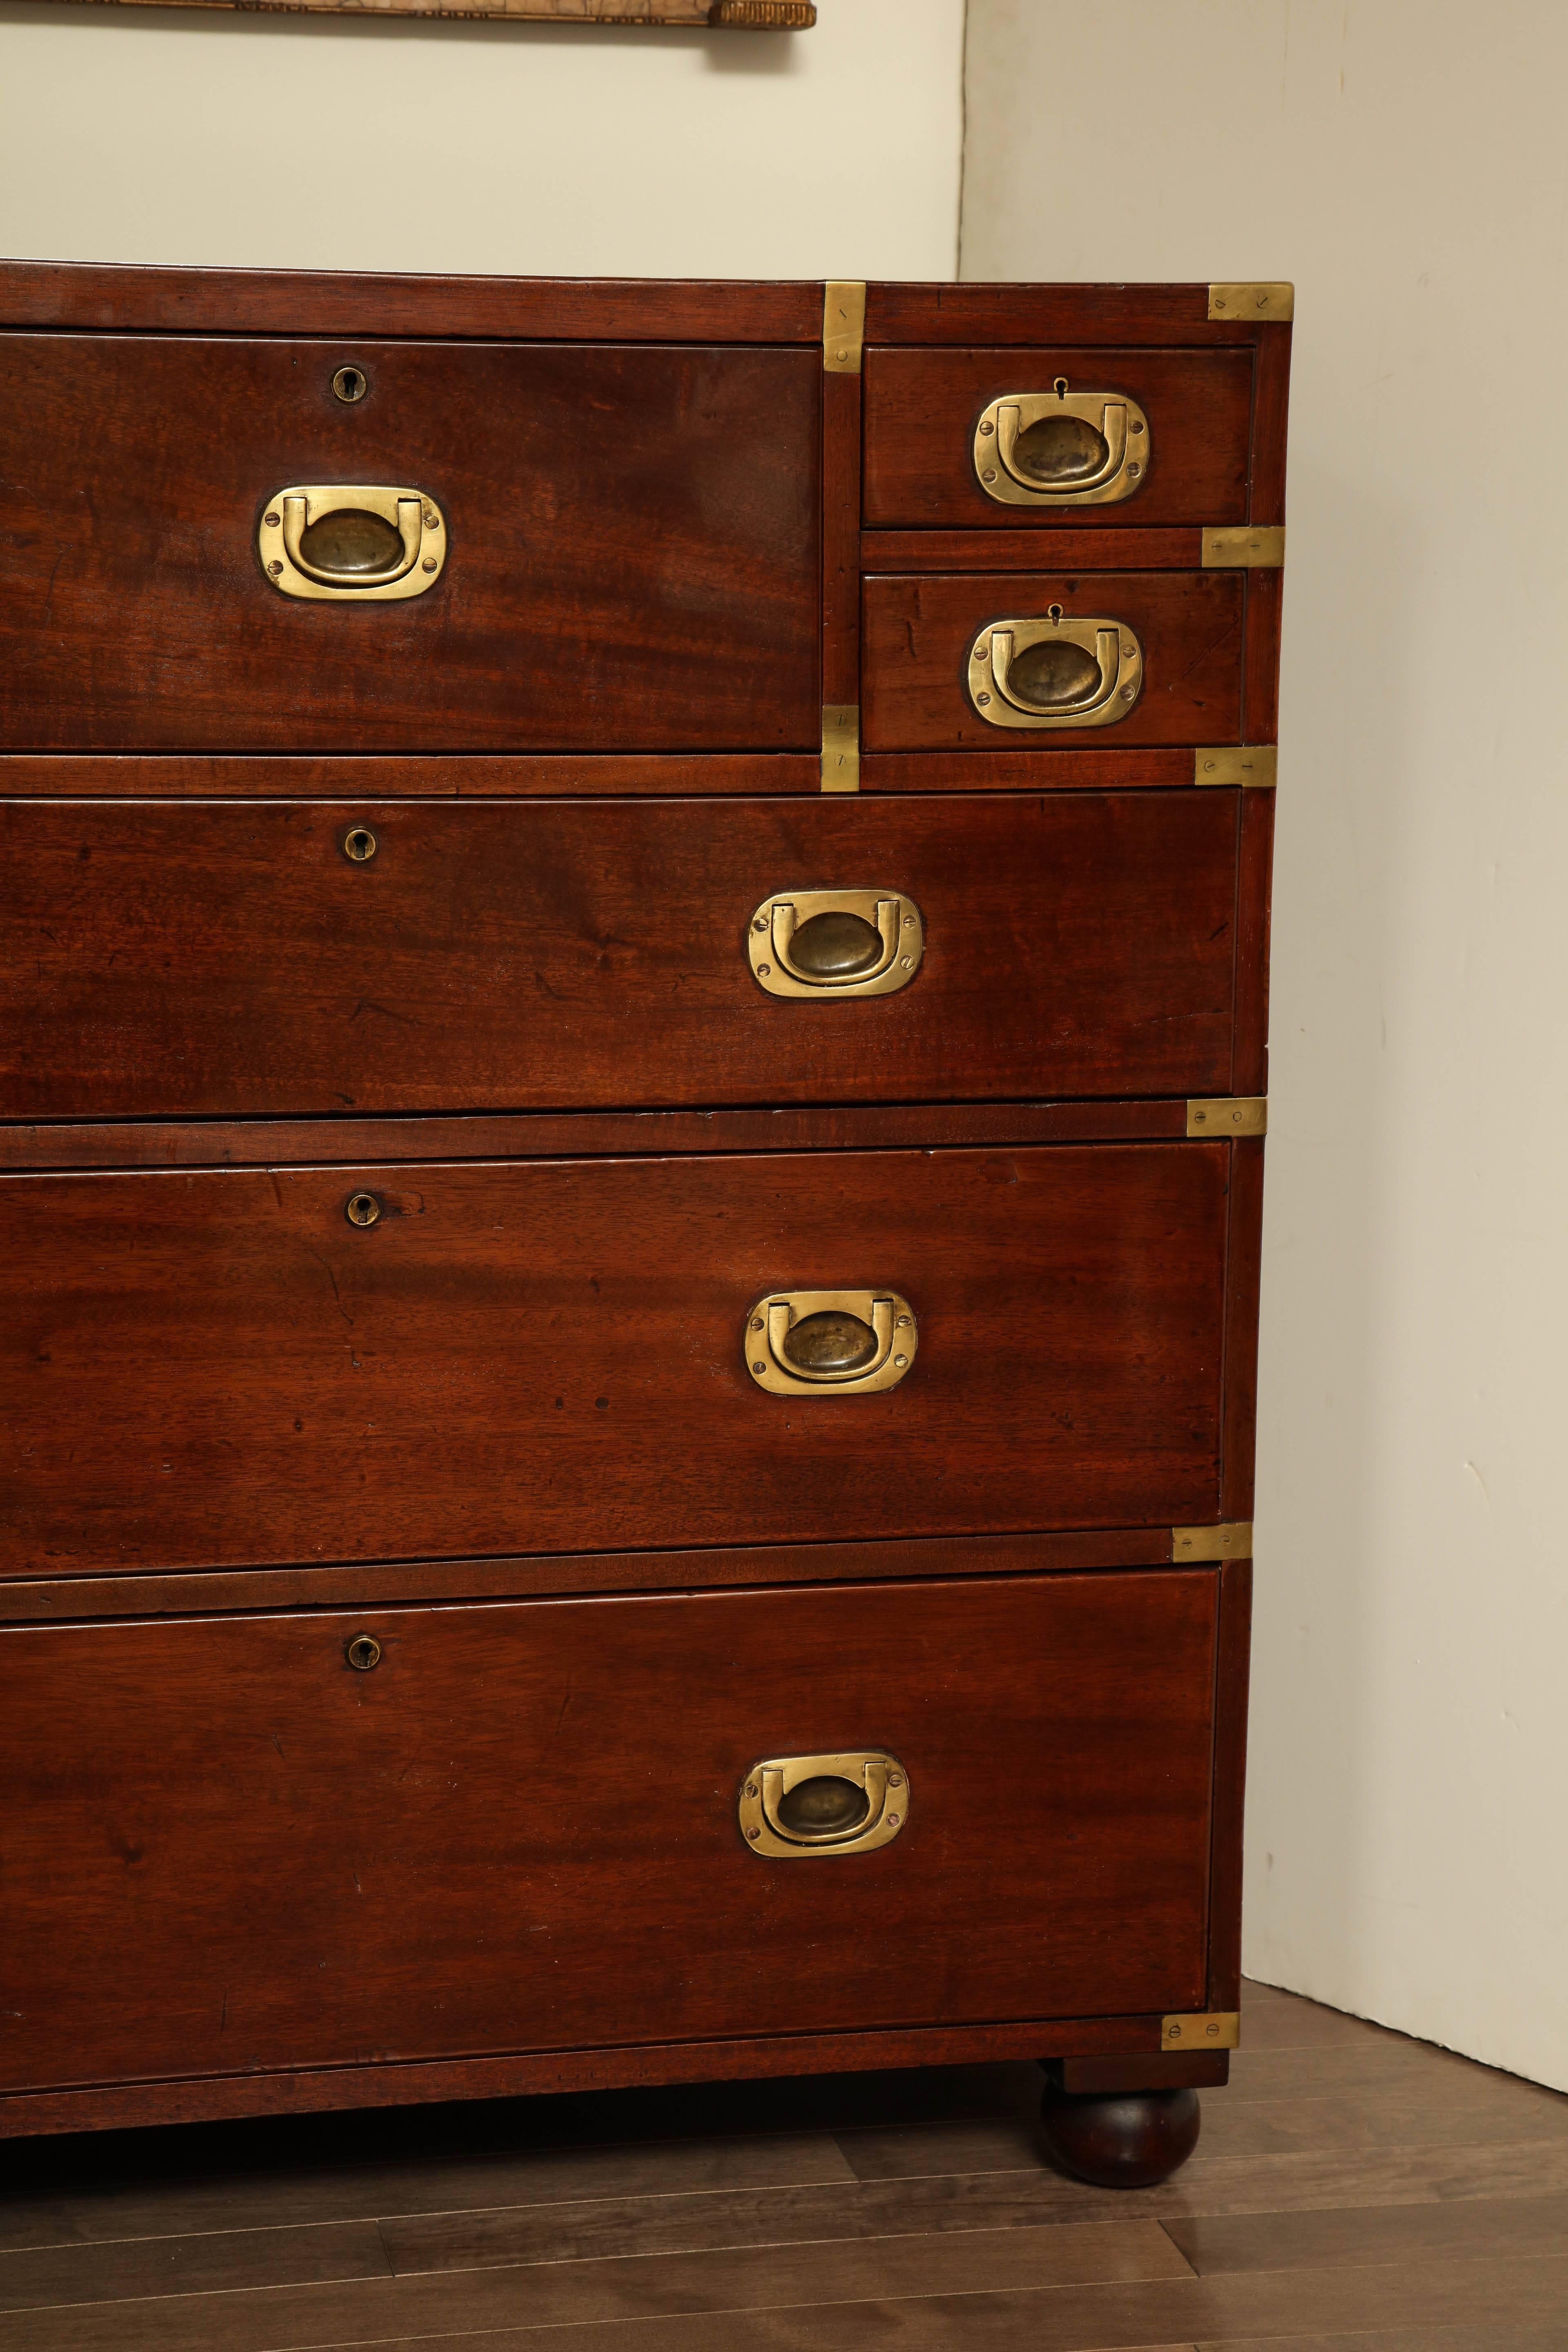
[
  {"x": 217, "y": 1370},
  {"x": 922, "y": 407},
  {"x": 202, "y": 960},
  {"x": 622, "y": 573},
  {"x": 519, "y": 1831},
  {"x": 349, "y": 1143},
  {"x": 121, "y": 299},
  {"x": 918, "y": 632},
  {"x": 884, "y": 2210}
]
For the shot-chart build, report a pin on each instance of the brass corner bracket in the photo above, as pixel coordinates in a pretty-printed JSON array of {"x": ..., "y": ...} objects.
[
  {"x": 842, "y": 325},
  {"x": 1270, "y": 298},
  {"x": 1250, "y": 765},
  {"x": 1228, "y": 1117},
  {"x": 841, "y": 747},
  {"x": 1244, "y": 547},
  {"x": 1213, "y": 2028},
  {"x": 1228, "y": 1541}
]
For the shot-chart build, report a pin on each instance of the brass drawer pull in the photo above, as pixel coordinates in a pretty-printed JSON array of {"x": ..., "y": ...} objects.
[
  {"x": 835, "y": 942},
  {"x": 830, "y": 1342},
  {"x": 1054, "y": 671},
  {"x": 1061, "y": 448},
  {"x": 795, "y": 1806},
  {"x": 353, "y": 540}
]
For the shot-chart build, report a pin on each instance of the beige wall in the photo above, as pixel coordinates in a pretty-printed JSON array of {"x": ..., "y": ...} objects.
[
  {"x": 1403, "y": 161},
  {"x": 129, "y": 135}
]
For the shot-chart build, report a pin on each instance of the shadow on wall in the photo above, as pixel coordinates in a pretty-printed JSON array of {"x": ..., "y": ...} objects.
[{"x": 1350, "y": 722}]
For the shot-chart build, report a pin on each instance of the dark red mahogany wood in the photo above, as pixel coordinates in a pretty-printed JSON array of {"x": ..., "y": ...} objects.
[
  {"x": 921, "y": 409},
  {"x": 919, "y": 633},
  {"x": 519, "y": 1831},
  {"x": 624, "y": 574},
  {"x": 211, "y": 959},
  {"x": 1131, "y": 2139},
  {"x": 219, "y": 1370}
]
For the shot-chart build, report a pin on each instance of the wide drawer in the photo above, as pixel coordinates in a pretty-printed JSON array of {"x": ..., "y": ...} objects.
[
  {"x": 1024, "y": 439},
  {"x": 218, "y": 1367},
  {"x": 224, "y": 1849},
  {"x": 177, "y": 959},
  {"x": 617, "y": 548},
  {"x": 1144, "y": 657}
]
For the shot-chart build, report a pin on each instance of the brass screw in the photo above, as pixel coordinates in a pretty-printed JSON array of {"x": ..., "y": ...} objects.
[
  {"x": 990, "y": 477},
  {"x": 362, "y": 1209},
  {"x": 895, "y": 1779},
  {"x": 988, "y": 428},
  {"x": 432, "y": 520},
  {"x": 276, "y": 570},
  {"x": 1133, "y": 472},
  {"x": 759, "y": 923},
  {"x": 1127, "y": 693},
  {"x": 983, "y": 698},
  {"x": 363, "y": 1652},
  {"x": 904, "y": 1321},
  {"x": 764, "y": 969},
  {"x": 1135, "y": 426},
  {"x": 753, "y": 1835},
  {"x": 1219, "y": 301},
  {"x": 759, "y": 1368},
  {"x": 428, "y": 564},
  {"x": 751, "y": 1787},
  {"x": 907, "y": 963},
  {"x": 756, "y": 1322},
  {"x": 272, "y": 521},
  {"x": 900, "y": 1364},
  {"x": 892, "y": 1821}
]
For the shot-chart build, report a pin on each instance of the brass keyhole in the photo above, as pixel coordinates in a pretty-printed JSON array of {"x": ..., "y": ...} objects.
[
  {"x": 360, "y": 845},
  {"x": 363, "y": 1652},
  {"x": 350, "y": 384},
  {"x": 362, "y": 1209}
]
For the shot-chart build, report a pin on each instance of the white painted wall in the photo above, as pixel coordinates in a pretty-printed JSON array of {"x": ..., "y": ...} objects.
[
  {"x": 1403, "y": 161},
  {"x": 130, "y": 134}
]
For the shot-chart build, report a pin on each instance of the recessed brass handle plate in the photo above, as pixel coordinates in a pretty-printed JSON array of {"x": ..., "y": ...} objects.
[
  {"x": 799, "y": 1808},
  {"x": 835, "y": 942},
  {"x": 830, "y": 1342},
  {"x": 1054, "y": 671},
  {"x": 1061, "y": 448},
  {"x": 351, "y": 541}
]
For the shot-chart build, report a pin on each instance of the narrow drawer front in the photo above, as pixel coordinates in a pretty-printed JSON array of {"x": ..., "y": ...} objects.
[
  {"x": 235, "y": 1366},
  {"x": 169, "y": 959},
  {"x": 1147, "y": 657},
  {"x": 1024, "y": 439},
  {"x": 594, "y": 547},
  {"x": 522, "y": 1828}
]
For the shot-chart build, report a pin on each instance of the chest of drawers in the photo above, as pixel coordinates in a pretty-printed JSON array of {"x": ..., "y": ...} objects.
[{"x": 632, "y": 1088}]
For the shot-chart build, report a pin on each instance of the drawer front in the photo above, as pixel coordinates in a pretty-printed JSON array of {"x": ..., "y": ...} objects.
[
  {"x": 627, "y": 556},
  {"x": 927, "y": 660},
  {"x": 1176, "y": 454},
  {"x": 219, "y": 1368},
  {"x": 520, "y": 1829},
  {"x": 177, "y": 959}
]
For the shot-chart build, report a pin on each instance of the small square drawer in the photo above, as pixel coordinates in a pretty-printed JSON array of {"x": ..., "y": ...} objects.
[
  {"x": 183, "y": 959},
  {"x": 264, "y": 544},
  {"x": 1010, "y": 661},
  {"x": 1009, "y": 440},
  {"x": 308, "y": 1839},
  {"x": 231, "y": 1367}
]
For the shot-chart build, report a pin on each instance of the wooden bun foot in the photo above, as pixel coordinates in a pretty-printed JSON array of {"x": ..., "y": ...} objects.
[{"x": 1131, "y": 2139}]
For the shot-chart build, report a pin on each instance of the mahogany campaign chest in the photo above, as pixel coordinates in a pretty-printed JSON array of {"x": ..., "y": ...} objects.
[{"x": 634, "y": 966}]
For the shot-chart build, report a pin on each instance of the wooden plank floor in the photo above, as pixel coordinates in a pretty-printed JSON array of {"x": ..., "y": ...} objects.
[{"x": 1353, "y": 2191}]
